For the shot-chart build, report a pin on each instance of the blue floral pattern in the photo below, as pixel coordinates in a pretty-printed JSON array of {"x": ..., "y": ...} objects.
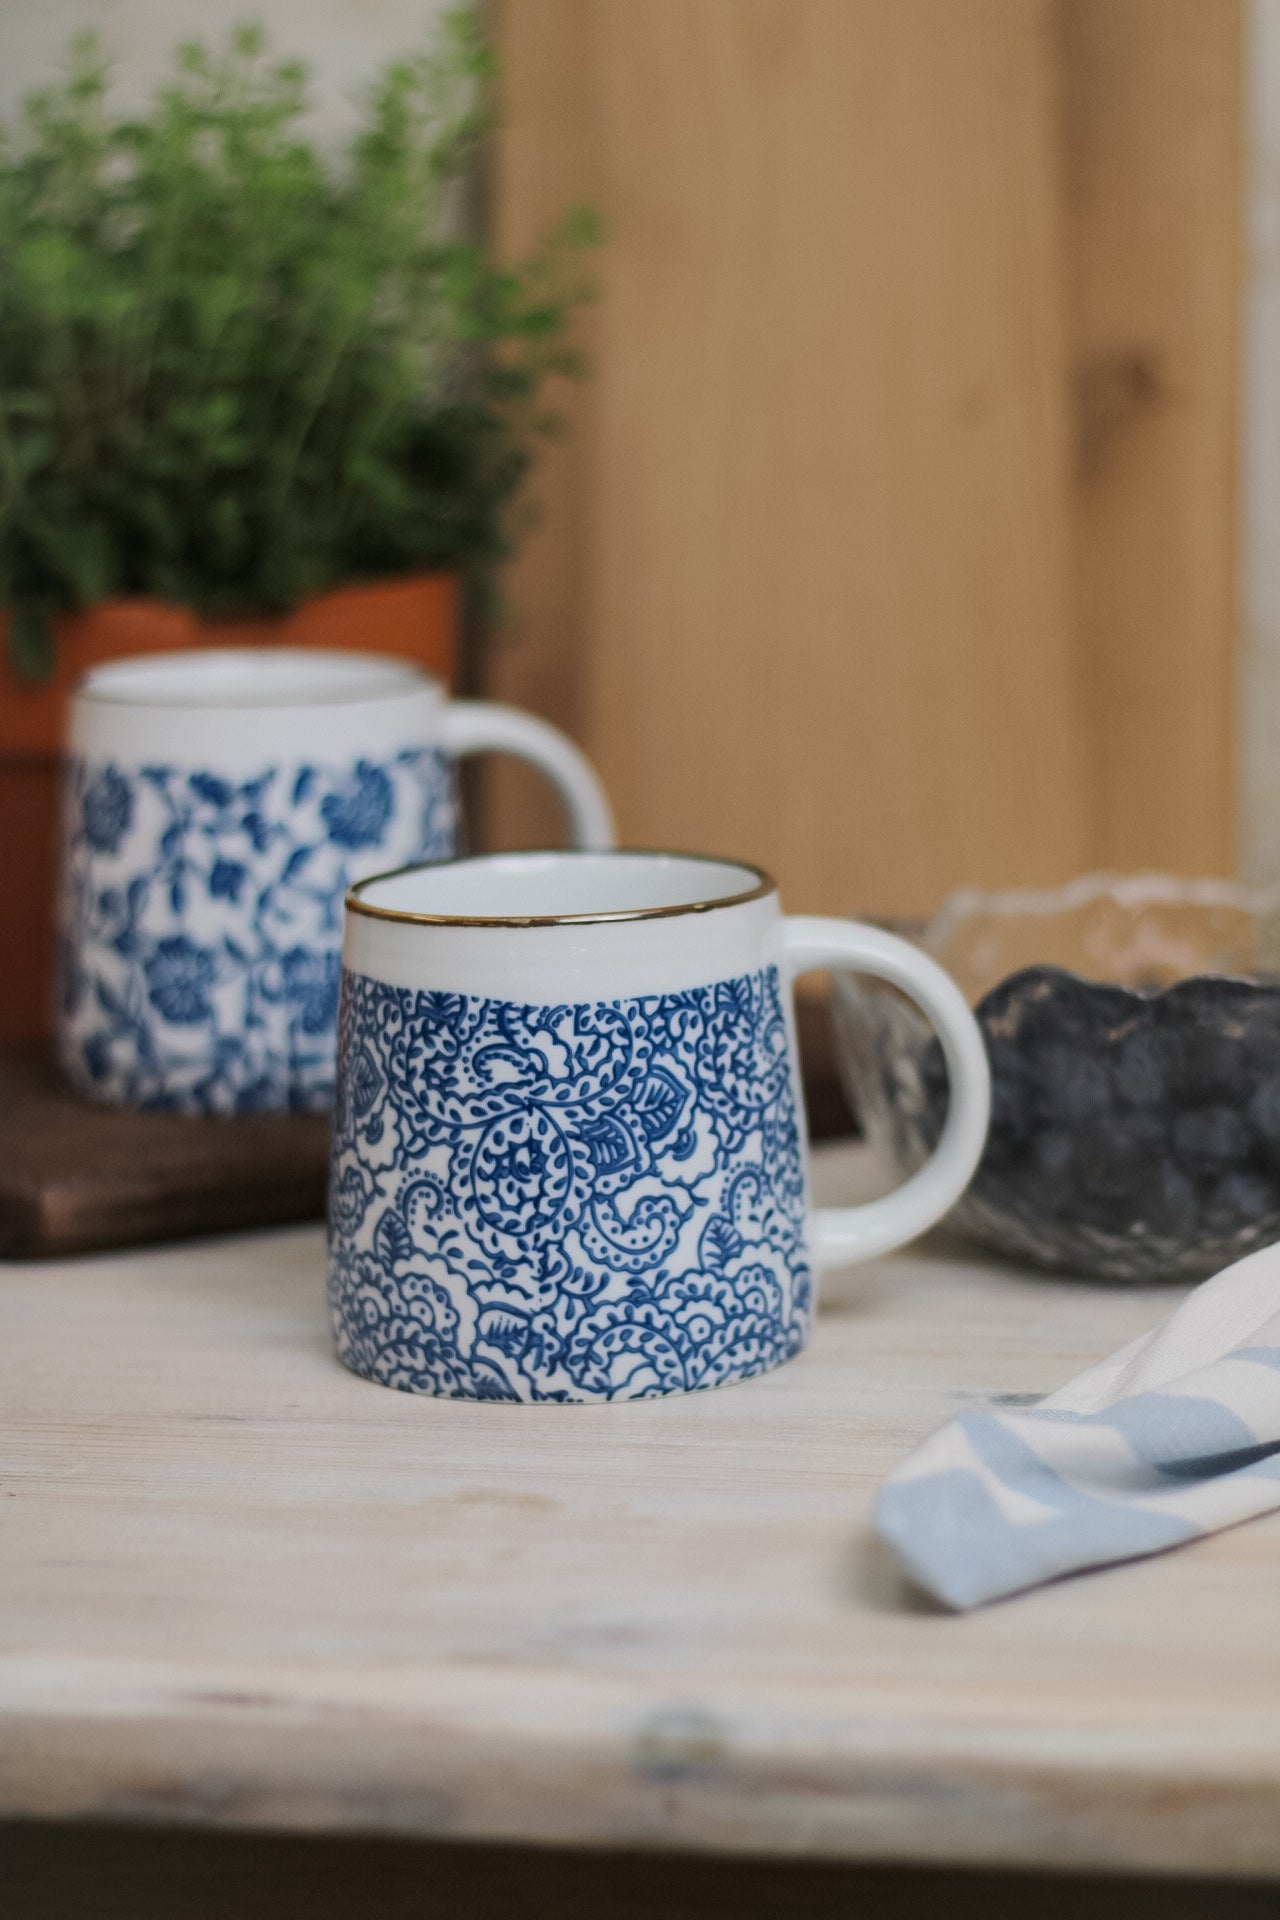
[
  {"x": 590, "y": 1202},
  {"x": 356, "y": 814},
  {"x": 106, "y": 810},
  {"x": 179, "y": 977},
  {"x": 202, "y": 921}
]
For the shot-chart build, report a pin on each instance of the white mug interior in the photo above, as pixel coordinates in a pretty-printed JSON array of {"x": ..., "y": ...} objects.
[
  {"x": 240, "y": 710},
  {"x": 524, "y": 888},
  {"x": 547, "y": 927},
  {"x": 249, "y": 677}
]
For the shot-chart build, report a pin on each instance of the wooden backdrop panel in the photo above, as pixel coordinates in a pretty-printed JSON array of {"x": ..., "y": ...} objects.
[
  {"x": 810, "y": 577},
  {"x": 547, "y": 158},
  {"x": 1154, "y": 218}
]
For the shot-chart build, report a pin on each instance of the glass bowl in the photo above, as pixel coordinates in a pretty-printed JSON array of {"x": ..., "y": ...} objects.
[{"x": 1133, "y": 1027}]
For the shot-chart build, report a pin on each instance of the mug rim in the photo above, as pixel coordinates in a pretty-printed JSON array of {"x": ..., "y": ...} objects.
[
  {"x": 169, "y": 680},
  {"x": 764, "y": 884}
]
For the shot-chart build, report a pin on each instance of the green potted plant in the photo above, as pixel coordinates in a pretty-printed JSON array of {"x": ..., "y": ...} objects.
[{"x": 247, "y": 390}]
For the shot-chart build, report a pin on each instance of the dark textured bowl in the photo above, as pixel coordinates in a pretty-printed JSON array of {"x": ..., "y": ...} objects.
[{"x": 1135, "y": 1132}]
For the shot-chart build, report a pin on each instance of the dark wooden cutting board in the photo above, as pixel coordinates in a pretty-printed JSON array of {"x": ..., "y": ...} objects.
[{"x": 76, "y": 1178}]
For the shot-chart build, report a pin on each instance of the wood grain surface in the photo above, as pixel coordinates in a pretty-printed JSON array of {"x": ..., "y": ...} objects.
[
  {"x": 893, "y": 542},
  {"x": 242, "y": 1588}
]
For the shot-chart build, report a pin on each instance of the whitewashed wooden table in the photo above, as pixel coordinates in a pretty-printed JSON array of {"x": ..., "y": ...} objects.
[{"x": 240, "y": 1587}]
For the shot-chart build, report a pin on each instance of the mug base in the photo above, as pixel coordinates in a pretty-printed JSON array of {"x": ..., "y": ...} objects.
[{"x": 500, "y": 1393}]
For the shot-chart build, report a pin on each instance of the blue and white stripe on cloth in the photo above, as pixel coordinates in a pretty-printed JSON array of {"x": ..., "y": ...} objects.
[{"x": 1173, "y": 1437}]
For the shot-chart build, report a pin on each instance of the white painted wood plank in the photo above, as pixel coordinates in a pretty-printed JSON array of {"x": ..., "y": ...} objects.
[{"x": 238, "y": 1585}]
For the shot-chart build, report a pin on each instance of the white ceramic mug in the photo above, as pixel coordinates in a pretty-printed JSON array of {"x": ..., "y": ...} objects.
[
  {"x": 568, "y": 1157},
  {"x": 218, "y": 806}
]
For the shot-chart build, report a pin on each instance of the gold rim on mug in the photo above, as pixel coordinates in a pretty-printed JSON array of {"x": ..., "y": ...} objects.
[{"x": 354, "y": 904}]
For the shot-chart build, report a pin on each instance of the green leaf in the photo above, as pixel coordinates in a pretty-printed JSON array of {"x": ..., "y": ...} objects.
[
  {"x": 25, "y": 403},
  {"x": 33, "y": 450},
  {"x": 82, "y": 556},
  {"x": 46, "y": 258}
]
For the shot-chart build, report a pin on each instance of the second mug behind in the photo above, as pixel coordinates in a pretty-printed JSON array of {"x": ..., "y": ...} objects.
[{"x": 218, "y": 806}]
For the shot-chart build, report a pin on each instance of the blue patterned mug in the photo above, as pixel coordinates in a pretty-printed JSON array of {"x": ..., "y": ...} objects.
[
  {"x": 568, "y": 1150},
  {"x": 218, "y": 805}
]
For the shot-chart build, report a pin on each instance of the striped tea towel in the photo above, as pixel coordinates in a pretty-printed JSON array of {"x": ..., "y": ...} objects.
[{"x": 1176, "y": 1435}]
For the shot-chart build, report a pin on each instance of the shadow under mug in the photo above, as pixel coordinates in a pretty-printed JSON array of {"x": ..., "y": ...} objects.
[
  {"x": 218, "y": 805},
  {"x": 568, "y": 1152}
]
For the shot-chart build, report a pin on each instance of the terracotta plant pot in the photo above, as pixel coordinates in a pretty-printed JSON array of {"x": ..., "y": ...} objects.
[{"x": 417, "y": 617}]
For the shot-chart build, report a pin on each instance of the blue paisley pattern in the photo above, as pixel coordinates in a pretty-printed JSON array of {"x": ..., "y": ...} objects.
[
  {"x": 589, "y": 1202},
  {"x": 202, "y": 922}
]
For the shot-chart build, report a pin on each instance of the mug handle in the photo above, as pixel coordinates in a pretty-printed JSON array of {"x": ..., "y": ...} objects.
[
  {"x": 841, "y": 1235},
  {"x": 482, "y": 726}
]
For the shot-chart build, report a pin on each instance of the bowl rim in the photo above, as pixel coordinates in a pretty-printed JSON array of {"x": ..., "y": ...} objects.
[{"x": 1126, "y": 889}]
